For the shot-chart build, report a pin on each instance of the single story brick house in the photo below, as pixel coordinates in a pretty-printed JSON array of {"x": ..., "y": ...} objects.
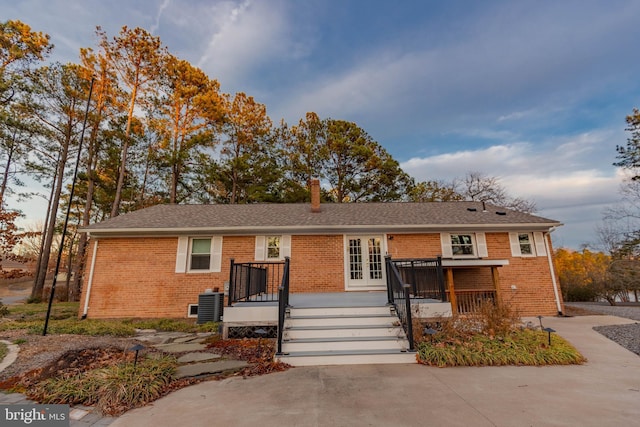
[{"x": 155, "y": 262}]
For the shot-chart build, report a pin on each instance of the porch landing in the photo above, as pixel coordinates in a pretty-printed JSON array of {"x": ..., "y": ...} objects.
[{"x": 334, "y": 299}]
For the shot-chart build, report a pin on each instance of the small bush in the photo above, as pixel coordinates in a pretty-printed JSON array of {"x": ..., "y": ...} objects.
[
  {"x": 114, "y": 389},
  {"x": 523, "y": 347},
  {"x": 492, "y": 336}
]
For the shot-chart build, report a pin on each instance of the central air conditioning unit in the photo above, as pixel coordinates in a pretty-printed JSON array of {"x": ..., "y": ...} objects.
[{"x": 210, "y": 306}]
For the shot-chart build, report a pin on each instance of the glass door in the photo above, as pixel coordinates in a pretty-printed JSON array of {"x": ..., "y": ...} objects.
[{"x": 365, "y": 263}]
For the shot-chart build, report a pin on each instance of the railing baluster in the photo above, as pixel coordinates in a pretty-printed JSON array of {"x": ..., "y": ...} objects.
[
  {"x": 409, "y": 319},
  {"x": 231, "y": 296}
]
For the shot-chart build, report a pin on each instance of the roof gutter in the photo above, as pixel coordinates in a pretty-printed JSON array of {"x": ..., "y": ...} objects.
[
  {"x": 552, "y": 270},
  {"x": 317, "y": 229},
  {"x": 90, "y": 281}
]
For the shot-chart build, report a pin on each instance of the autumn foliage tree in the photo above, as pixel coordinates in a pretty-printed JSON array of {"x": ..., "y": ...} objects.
[
  {"x": 160, "y": 131},
  {"x": 582, "y": 274}
]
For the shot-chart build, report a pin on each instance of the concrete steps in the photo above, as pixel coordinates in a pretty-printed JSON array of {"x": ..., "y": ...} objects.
[{"x": 343, "y": 336}]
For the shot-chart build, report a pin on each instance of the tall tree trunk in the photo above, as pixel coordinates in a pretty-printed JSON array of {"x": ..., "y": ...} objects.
[
  {"x": 7, "y": 168},
  {"x": 39, "y": 270},
  {"x": 38, "y": 285},
  {"x": 115, "y": 209},
  {"x": 92, "y": 164}
]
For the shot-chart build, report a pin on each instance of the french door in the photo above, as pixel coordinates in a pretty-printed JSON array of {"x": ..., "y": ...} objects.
[{"x": 365, "y": 263}]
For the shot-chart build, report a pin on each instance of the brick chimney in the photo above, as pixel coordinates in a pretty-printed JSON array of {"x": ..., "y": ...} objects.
[{"x": 315, "y": 195}]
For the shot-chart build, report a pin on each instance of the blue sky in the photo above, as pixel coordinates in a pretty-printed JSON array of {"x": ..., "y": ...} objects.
[{"x": 533, "y": 92}]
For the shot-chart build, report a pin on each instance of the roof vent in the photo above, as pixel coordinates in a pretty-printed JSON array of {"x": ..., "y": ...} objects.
[
  {"x": 472, "y": 209},
  {"x": 500, "y": 213}
]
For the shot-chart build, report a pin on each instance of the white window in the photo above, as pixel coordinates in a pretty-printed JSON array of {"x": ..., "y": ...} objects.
[
  {"x": 527, "y": 244},
  {"x": 199, "y": 254},
  {"x": 273, "y": 248},
  {"x": 463, "y": 245}
]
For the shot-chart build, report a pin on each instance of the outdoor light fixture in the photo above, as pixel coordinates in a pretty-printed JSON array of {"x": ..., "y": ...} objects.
[
  {"x": 549, "y": 330},
  {"x": 136, "y": 348},
  {"x": 429, "y": 331}
]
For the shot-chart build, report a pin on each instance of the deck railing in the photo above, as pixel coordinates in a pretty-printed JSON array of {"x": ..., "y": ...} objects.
[
  {"x": 255, "y": 281},
  {"x": 399, "y": 296},
  {"x": 424, "y": 275},
  {"x": 283, "y": 303},
  {"x": 470, "y": 300}
]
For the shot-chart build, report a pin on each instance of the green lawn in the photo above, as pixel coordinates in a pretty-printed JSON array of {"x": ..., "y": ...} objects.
[{"x": 64, "y": 320}]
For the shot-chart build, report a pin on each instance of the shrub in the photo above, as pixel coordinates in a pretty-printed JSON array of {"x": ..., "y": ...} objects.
[
  {"x": 114, "y": 389},
  {"x": 491, "y": 337}
]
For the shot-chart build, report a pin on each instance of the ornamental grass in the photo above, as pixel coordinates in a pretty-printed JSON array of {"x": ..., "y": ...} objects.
[{"x": 493, "y": 336}]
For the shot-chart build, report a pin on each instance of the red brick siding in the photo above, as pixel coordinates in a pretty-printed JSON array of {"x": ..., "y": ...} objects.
[
  {"x": 317, "y": 264},
  {"x": 135, "y": 277}
]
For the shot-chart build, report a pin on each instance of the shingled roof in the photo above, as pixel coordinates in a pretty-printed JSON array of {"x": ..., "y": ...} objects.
[{"x": 333, "y": 217}]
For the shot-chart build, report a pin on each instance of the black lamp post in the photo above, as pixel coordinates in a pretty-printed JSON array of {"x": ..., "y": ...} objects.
[
  {"x": 137, "y": 349},
  {"x": 549, "y": 330}
]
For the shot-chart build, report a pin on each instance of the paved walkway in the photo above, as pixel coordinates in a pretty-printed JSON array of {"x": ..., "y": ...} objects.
[{"x": 603, "y": 392}]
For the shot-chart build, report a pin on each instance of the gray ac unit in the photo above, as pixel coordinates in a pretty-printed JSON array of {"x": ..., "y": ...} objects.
[{"x": 210, "y": 307}]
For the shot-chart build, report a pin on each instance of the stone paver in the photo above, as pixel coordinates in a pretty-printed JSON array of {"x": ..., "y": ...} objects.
[
  {"x": 197, "y": 357},
  {"x": 196, "y": 369},
  {"x": 179, "y": 347}
]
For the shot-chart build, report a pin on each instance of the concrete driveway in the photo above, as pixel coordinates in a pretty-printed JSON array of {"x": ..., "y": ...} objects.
[{"x": 603, "y": 392}]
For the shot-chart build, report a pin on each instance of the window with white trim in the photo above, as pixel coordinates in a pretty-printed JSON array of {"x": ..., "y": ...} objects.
[
  {"x": 463, "y": 245},
  {"x": 273, "y": 247},
  {"x": 527, "y": 244},
  {"x": 525, "y": 241},
  {"x": 199, "y": 254},
  {"x": 200, "y": 257}
]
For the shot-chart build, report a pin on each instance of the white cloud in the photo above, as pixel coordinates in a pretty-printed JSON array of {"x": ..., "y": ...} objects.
[
  {"x": 162, "y": 8},
  {"x": 243, "y": 36}
]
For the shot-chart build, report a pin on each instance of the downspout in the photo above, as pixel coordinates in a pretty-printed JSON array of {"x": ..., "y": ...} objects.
[
  {"x": 552, "y": 270},
  {"x": 90, "y": 281}
]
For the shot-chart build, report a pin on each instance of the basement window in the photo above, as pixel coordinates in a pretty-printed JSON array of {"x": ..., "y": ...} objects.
[{"x": 192, "y": 310}]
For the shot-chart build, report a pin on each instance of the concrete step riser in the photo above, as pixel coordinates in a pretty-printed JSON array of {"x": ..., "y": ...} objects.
[
  {"x": 350, "y": 332},
  {"x": 292, "y": 347},
  {"x": 339, "y": 311},
  {"x": 387, "y": 321},
  {"x": 351, "y": 359}
]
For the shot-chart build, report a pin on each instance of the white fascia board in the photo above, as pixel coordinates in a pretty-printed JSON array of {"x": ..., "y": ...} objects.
[
  {"x": 475, "y": 262},
  {"x": 318, "y": 229}
]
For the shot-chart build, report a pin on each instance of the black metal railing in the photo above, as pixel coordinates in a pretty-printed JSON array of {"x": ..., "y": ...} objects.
[
  {"x": 283, "y": 303},
  {"x": 255, "y": 281},
  {"x": 399, "y": 296},
  {"x": 425, "y": 276}
]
